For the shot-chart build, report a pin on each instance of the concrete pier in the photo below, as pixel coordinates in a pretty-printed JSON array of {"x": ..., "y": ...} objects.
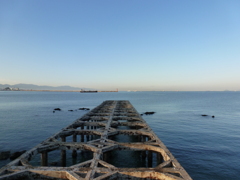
[{"x": 112, "y": 141}]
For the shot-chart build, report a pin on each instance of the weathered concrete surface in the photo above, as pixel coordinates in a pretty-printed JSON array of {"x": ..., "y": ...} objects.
[{"x": 97, "y": 132}]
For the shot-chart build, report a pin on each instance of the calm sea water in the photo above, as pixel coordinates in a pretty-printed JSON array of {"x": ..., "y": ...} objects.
[{"x": 208, "y": 148}]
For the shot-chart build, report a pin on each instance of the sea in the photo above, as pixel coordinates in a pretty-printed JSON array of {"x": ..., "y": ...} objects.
[{"x": 207, "y": 147}]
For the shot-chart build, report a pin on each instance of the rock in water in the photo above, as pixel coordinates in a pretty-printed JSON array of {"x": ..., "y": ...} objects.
[
  {"x": 57, "y": 109},
  {"x": 4, "y": 155},
  {"x": 87, "y": 109},
  {"x": 148, "y": 113},
  {"x": 16, "y": 154}
]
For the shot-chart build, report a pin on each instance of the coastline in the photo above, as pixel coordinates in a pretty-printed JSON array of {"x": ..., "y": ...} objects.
[{"x": 53, "y": 90}]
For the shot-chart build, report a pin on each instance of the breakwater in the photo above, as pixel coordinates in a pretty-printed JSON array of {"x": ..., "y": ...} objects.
[{"x": 96, "y": 136}]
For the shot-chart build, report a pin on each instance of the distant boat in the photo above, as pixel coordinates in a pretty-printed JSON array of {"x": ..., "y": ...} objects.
[{"x": 83, "y": 91}]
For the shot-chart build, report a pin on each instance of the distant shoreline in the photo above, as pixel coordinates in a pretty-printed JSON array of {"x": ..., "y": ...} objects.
[
  {"x": 44, "y": 90},
  {"x": 52, "y": 90},
  {"x": 2, "y": 90}
]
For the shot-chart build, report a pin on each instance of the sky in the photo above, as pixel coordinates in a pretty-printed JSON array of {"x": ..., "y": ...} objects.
[{"x": 139, "y": 45}]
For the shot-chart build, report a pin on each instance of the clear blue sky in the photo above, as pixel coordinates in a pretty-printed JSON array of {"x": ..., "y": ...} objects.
[{"x": 124, "y": 44}]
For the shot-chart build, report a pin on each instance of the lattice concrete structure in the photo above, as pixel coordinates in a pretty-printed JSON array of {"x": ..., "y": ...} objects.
[{"x": 98, "y": 135}]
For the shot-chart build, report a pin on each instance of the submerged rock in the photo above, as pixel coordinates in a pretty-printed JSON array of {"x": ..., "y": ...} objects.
[
  {"x": 16, "y": 154},
  {"x": 70, "y": 110},
  {"x": 57, "y": 109},
  {"x": 4, "y": 155},
  {"x": 149, "y": 113},
  {"x": 86, "y": 109},
  {"x": 207, "y": 115}
]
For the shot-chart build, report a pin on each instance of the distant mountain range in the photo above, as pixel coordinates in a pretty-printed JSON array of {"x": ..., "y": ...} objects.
[{"x": 36, "y": 87}]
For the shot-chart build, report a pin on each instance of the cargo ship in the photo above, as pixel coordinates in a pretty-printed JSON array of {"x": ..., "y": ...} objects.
[{"x": 83, "y": 91}]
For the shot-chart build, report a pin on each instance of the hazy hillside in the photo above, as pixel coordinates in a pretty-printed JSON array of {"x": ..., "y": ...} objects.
[{"x": 36, "y": 87}]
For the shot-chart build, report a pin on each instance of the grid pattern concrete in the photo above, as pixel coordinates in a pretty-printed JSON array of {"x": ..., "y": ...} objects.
[{"x": 112, "y": 141}]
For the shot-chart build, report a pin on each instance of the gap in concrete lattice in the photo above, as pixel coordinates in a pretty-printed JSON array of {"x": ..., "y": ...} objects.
[
  {"x": 85, "y": 138},
  {"x": 98, "y": 174},
  {"x": 126, "y": 127},
  {"x": 56, "y": 159},
  {"x": 125, "y": 138},
  {"x": 121, "y": 127},
  {"x": 82, "y": 175},
  {"x": 89, "y": 127},
  {"x": 131, "y": 158}
]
